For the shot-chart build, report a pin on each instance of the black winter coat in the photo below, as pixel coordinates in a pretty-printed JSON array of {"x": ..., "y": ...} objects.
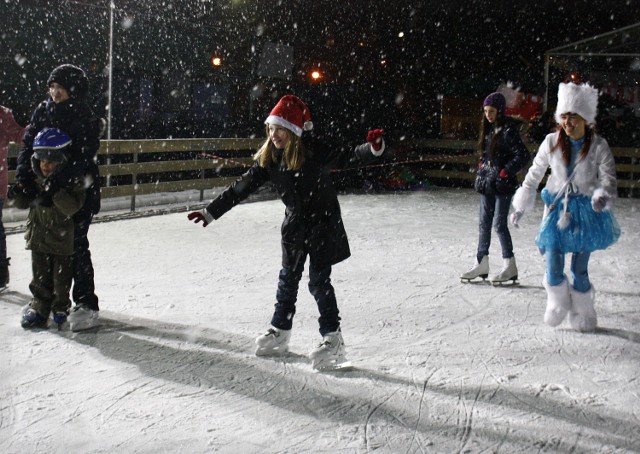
[
  {"x": 313, "y": 221},
  {"x": 75, "y": 118},
  {"x": 508, "y": 153}
]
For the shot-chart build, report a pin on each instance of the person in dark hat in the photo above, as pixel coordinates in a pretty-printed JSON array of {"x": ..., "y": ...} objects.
[
  {"x": 502, "y": 156},
  {"x": 299, "y": 168},
  {"x": 66, "y": 108}
]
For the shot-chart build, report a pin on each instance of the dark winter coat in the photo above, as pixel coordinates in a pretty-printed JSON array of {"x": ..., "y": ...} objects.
[
  {"x": 312, "y": 222},
  {"x": 503, "y": 149},
  {"x": 50, "y": 227},
  {"x": 75, "y": 118}
]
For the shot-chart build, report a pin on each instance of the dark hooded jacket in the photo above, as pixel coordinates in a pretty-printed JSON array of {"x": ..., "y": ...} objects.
[
  {"x": 503, "y": 149},
  {"x": 50, "y": 227},
  {"x": 313, "y": 221},
  {"x": 75, "y": 118}
]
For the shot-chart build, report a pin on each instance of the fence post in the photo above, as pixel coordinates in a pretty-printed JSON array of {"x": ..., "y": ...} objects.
[
  {"x": 202, "y": 172},
  {"x": 134, "y": 181}
]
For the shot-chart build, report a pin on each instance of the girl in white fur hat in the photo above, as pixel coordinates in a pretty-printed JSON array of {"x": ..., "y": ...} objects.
[{"x": 578, "y": 198}]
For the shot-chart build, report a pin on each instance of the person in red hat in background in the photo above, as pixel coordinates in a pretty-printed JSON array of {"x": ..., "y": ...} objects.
[
  {"x": 10, "y": 131},
  {"x": 299, "y": 168}
]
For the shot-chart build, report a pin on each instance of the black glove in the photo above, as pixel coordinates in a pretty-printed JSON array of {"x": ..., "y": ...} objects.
[
  {"x": 27, "y": 189},
  {"x": 13, "y": 191},
  {"x": 45, "y": 199},
  {"x": 51, "y": 184}
]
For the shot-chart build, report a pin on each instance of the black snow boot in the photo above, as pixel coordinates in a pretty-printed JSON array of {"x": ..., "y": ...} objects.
[{"x": 4, "y": 273}]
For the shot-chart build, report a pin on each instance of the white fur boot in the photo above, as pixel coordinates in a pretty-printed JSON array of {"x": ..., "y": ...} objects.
[
  {"x": 558, "y": 302},
  {"x": 583, "y": 315}
]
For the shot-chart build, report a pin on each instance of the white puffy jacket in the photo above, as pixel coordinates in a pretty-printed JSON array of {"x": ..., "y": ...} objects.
[{"x": 595, "y": 174}]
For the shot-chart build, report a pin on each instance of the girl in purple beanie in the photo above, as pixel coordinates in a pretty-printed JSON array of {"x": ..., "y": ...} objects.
[{"x": 502, "y": 156}]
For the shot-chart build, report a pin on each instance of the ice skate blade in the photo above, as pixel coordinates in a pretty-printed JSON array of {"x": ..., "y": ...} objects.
[
  {"x": 473, "y": 280},
  {"x": 85, "y": 325},
  {"x": 509, "y": 282},
  {"x": 333, "y": 366},
  {"x": 265, "y": 352}
]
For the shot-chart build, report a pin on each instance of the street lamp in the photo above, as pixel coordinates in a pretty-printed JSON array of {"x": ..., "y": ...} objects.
[{"x": 316, "y": 75}]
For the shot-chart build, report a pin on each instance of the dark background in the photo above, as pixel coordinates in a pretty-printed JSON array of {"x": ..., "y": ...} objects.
[{"x": 164, "y": 86}]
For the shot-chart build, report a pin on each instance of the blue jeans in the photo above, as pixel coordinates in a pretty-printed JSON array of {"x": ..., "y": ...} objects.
[
  {"x": 3, "y": 238},
  {"x": 321, "y": 289},
  {"x": 494, "y": 209},
  {"x": 579, "y": 269}
]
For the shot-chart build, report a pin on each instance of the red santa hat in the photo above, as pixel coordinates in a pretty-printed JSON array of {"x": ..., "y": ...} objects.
[{"x": 291, "y": 113}]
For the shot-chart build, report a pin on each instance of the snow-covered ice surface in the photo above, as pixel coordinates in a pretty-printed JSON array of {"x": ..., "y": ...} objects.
[{"x": 439, "y": 366}]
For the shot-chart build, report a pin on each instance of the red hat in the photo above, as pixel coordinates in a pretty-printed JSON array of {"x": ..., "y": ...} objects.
[{"x": 291, "y": 113}]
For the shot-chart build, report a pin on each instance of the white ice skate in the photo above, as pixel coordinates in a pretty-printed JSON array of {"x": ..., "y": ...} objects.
[
  {"x": 479, "y": 269},
  {"x": 82, "y": 318},
  {"x": 330, "y": 353},
  {"x": 274, "y": 342},
  {"x": 508, "y": 273}
]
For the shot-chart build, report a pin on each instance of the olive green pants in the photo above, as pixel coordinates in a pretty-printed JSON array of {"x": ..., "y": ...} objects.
[{"x": 51, "y": 283}]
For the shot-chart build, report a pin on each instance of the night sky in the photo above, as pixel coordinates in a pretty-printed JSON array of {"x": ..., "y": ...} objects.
[{"x": 379, "y": 48}]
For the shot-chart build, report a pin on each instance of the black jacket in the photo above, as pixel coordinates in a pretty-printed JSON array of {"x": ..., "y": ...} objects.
[
  {"x": 75, "y": 118},
  {"x": 504, "y": 149},
  {"x": 313, "y": 221}
]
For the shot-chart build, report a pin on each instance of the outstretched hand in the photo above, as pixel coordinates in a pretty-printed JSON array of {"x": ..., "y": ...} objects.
[
  {"x": 200, "y": 216},
  {"x": 374, "y": 137}
]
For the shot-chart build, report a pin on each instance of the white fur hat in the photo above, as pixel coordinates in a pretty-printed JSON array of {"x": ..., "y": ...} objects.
[{"x": 580, "y": 99}]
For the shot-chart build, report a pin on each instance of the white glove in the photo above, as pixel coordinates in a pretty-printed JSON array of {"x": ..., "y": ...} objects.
[
  {"x": 599, "y": 203},
  {"x": 515, "y": 218}
]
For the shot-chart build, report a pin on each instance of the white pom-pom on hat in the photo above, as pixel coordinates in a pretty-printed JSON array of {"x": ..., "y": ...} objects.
[{"x": 291, "y": 113}]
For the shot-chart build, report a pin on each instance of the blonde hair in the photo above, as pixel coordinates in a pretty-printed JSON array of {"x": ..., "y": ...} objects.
[{"x": 293, "y": 156}]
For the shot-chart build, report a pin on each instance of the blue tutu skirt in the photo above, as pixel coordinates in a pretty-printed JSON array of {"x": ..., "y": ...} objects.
[{"x": 587, "y": 230}]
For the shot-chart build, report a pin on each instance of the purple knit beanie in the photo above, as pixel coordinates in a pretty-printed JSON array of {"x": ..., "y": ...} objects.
[{"x": 496, "y": 100}]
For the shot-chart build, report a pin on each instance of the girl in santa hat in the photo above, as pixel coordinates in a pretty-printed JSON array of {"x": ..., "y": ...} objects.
[
  {"x": 578, "y": 198},
  {"x": 299, "y": 169}
]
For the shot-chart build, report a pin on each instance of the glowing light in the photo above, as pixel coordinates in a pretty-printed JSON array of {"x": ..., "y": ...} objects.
[{"x": 216, "y": 61}]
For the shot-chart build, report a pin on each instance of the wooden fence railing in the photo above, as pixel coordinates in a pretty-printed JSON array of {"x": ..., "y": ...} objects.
[{"x": 137, "y": 167}]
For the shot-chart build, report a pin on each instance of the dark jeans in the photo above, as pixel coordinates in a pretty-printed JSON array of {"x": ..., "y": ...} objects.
[
  {"x": 3, "y": 239},
  {"x": 494, "y": 210},
  {"x": 321, "y": 289},
  {"x": 83, "y": 285},
  {"x": 51, "y": 282}
]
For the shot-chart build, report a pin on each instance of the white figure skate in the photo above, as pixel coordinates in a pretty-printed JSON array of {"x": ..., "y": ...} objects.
[
  {"x": 330, "y": 354},
  {"x": 82, "y": 318},
  {"x": 274, "y": 342},
  {"x": 479, "y": 269},
  {"x": 508, "y": 273}
]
